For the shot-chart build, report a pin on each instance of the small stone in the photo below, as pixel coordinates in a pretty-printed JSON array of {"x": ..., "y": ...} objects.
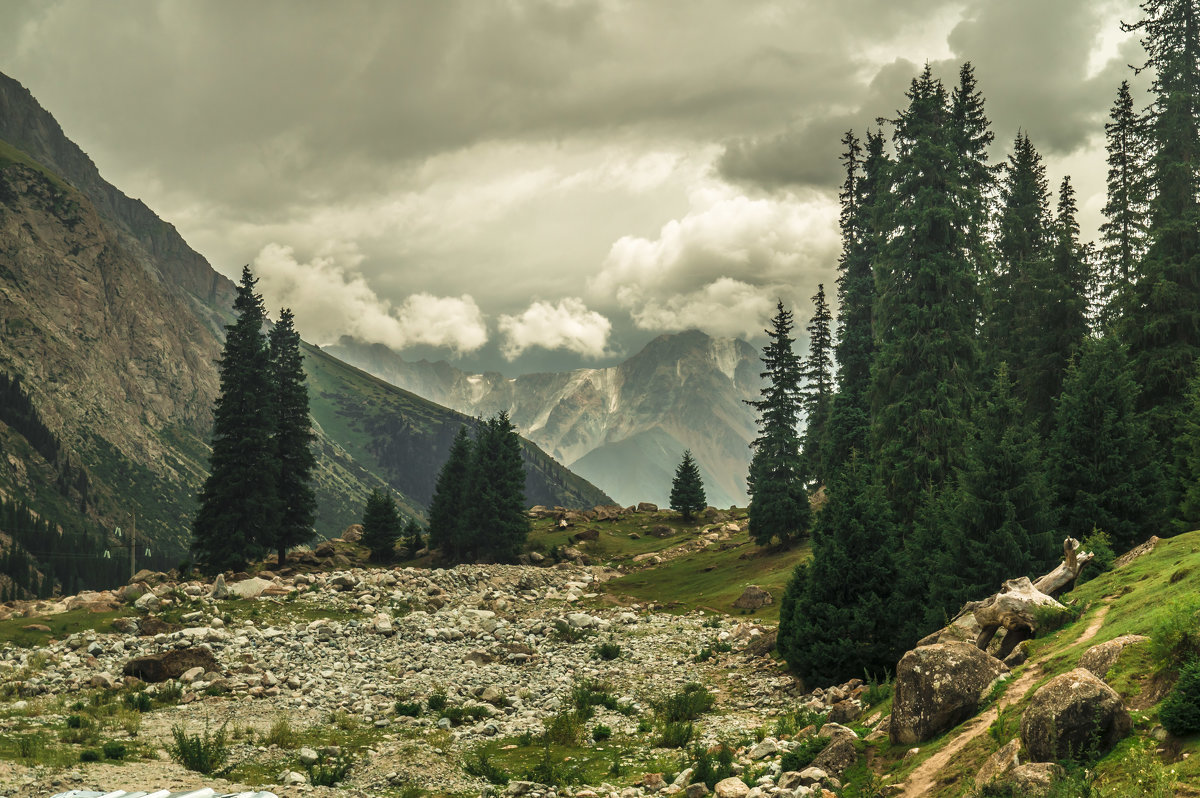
[
  {"x": 732, "y": 787},
  {"x": 309, "y": 757}
]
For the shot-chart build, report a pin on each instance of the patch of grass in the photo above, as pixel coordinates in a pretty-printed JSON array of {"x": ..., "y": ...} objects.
[
  {"x": 410, "y": 709},
  {"x": 686, "y": 705},
  {"x": 436, "y": 702},
  {"x": 281, "y": 733},
  {"x": 675, "y": 734},
  {"x": 600, "y": 732},
  {"x": 712, "y": 767},
  {"x": 479, "y": 763},
  {"x": 565, "y": 728},
  {"x": 330, "y": 772},
  {"x": 60, "y": 626},
  {"x": 608, "y": 651},
  {"x": 206, "y": 753},
  {"x": 803, "y": 754}
]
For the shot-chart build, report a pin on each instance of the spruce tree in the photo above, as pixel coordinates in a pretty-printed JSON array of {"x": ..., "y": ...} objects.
[
  {"x": 381, "y": 525},
  {"x": 448, "y": 509},
  {"x": 818, "y": 391},
  {"x": 498, "y": 523},
  {"x": 1124, "y": 230},
  {"x": 293, "y": 437},
  {"x": 998, "y": 516},
  {"x": 1162, "y": 322},
  {"x": 1189, "y": 448},
  {"x": 973, "y": 137},
  {"x": 239, "y": 503},
  {"x": 836, "y": 620},
  {"x": 687, "y": 489},
  {"x": 862, "y": 199},
  {"x": 926, "y": 308},
  {"x": 779, "y": 506},
  {"x": 1104, "y": 466}
]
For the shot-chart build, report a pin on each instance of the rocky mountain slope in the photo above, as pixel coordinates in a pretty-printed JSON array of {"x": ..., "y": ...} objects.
[
  {"x": 114, "y": 325},
  {"x": 623, "y": 427}
]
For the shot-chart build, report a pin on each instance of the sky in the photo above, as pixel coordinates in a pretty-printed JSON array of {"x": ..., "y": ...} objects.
[{"x": 527, "y": 185}]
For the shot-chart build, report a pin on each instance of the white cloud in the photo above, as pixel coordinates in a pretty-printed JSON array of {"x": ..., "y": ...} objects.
[
  {"x": 722, "y": 266},
  {"x": 330, "y": 301},
  {"x": 566, "y": 325}
]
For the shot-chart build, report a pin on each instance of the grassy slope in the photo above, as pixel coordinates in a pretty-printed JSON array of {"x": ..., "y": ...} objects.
[{"x": 711, "y": 578}]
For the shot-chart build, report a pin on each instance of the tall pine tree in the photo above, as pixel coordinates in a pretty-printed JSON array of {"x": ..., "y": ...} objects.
[
  {"x": 293, "y": 437},
  {"x": 779, "y": 508},
  {"x": 451, "y": 498},
  {"x": 926, "y": 306},
  {"x": 1123, "y": 232},
  {"x": 381, "y": 525},
  {"x": 498, "y": 523},
  {"x": 239, "y": 503},
  {"x": 1162, "y": 323},
  {"x": 687, "y": 489},
  {"x": 818, "y": 390}
]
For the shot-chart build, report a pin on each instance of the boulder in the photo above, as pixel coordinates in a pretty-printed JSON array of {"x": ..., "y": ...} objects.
[
  {"x": 837, "y": 756},
  {"x": 752, "y": 598},
  {"x": 998, "y": 764},
  {"x": 152, "y": 625},
  {"x": 352, "y": 533},
  {"x": 587, "y": 534},
  {"x": 697, "y": 790},
  {"x": 219, "y": 589},
  {"x": 249, "y": 588},
  {"x": 732, "y": 787},
  {"x": 171, "y": 664},
  {"x": 1033, "y": 779},
  {"x": 1101, "y": 657},
  {"x": 148, "y": 603},
  {"x": 1072, "y": 716},
  {"x": 647, "y": 507},
  {"x": 939, "y": 686}
]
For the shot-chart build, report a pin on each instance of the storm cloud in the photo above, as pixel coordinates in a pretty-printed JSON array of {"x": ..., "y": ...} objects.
[{"x": 527, "y": 169}]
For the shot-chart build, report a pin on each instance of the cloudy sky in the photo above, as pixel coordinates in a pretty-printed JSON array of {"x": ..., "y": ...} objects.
[{"x": 537, "y": 184}]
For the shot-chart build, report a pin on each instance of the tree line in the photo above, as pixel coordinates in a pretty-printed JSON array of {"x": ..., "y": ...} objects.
[{"x": 999, "y": 384}]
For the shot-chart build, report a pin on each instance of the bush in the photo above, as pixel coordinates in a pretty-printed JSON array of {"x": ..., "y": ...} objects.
[
  {"x": 675, "y": 734},
  {"x": 480, "y": 765},
  {"x": 114, "y": 750},
  {"x": 712, "y": 768},
  {"x": 77, "y": 722},
  {"x": 877, "y": 692},
  {"x": 89, "y": 755},
  {"x": 590, "y": 694},
  {"x": 608, "y": 651},
  {"x": 436, "y": 702},
  {"x": 601, "y": 732},
  {"x": 688, "y": 704},
  {"x": 409, "y": 709},
  {"x": 703, "y": 655},
  {"x": 1097, "y": 543},
  {"x": 457, "y": 715},
  {"x": 803, "y": 754},
  {"x": 204, "y": 753},
  {"x": 1180, "y": 712},
  {"x": 328, "y": 772},
  {"x": 281, "y": 734},
  {"x": 565, "y": 728},
  {"x": 137, "y": 701}
]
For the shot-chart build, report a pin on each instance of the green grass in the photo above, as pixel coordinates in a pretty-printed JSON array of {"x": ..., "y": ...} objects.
[
  {"x": 10, "y": 155},
  {"x": 61, "y": 625}
]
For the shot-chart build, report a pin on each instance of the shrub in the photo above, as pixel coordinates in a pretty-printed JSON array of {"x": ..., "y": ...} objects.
[
  {"x": 137, "y": 701},
  {"x": 409, "y": 709},
  {"x": 565, "y": 728},
  {"x": 1180, "y": 712},
  {"x": 590, "y": 694},
  {"x": 480, "y": 764},
  {"x": 688, "y": 704},
  {"x": 712, "y": 768},
  {"x": 204, "y": 753},
  {"x": 675, "y": 734},
  {"x": 644, "y": 726},
  {"x": 601, "y": 732},
  {"x": 328, "y": 772},
  {"x": 877, "y": 692},
  {"x": 608, "y": 651},
  {"x": 77, "y": 722},
  {"x": 457, "y": 715},
  {"x": 89, "y": 755},
  {"x": 703, "y": 655},
  {"x": 436, "y": 702},
  {"x": 803, "y": 754},
  {"x": 169, "y": 693},
  {"x": 114, "y": 750},
  {"x": 1099, "y": 544},
  {"x": 281, "y": 734}
]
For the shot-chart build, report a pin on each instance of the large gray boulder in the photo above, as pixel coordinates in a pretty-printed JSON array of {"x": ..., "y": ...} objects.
[
  {"x": 1071, "y": 716},
  {"x": 1101, "y": 657},
  {"x": 999, "y": 764},
  {"x": 939, "y": 686},
  {"x": 171, "y": 664}
]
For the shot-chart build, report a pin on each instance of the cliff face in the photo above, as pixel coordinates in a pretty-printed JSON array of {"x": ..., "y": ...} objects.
[
  {"x": 623, "y": 427},
  {"x": 114, "y": 327}
]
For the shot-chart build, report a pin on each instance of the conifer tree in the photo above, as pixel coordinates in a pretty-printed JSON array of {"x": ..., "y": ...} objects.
[
  {"x": 998, "y": 515},
  {"x": 1104, "y": 467},
  {"x": 381, "y": 525},
  {"x": 1189, "y": 504},
  {"x": 1124, "y": 231},
  {"x": 498, "y": 523},
  {"x": 779, "y": 506},
  {"x": 976, "y": 177},
  {"x": 836, "y": 619},
  {"x": 927, "y": 307},
  {"x": 448, "y": 513},
  {"x": 1162, "y": 323},
  {"x": 1016, "y": 298},
  {"x": 818, "y": 392},
  {"x": 239, "y": 502},
  {"x": 862, "y": 198},
  {"x": 293, "y": 437},
  {"x": 687, "y": 489}
]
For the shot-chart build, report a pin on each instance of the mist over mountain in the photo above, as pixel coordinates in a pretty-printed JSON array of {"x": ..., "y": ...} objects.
[{"x": 623, "y": 427}]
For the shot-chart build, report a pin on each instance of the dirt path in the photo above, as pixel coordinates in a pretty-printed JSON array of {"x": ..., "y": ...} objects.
[{"x": 923, "y": 780}]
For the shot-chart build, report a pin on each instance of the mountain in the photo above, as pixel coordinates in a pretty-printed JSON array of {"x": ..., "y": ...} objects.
[
  {"x": 111, "y": 328},
  {"x": 624, "y": 427}
]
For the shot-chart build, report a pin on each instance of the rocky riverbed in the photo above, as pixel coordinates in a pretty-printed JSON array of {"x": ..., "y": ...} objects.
[{"x": 506, "y": 644}]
